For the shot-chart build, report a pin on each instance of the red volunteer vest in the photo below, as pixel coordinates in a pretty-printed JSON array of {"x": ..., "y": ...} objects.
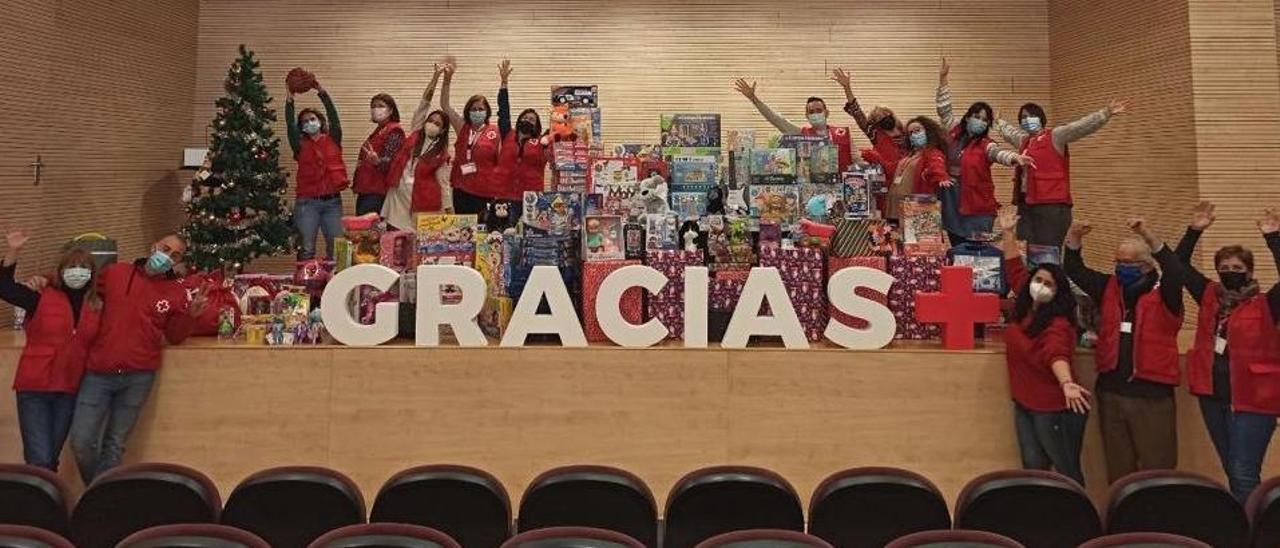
[
  {"x": 523, "y": 165},
  {"x": 368, "y": 179},
  {"x": 839, "y": 136},
  {"x": 321, "y": 170},
  {"x": 1050, "y": 181},
  {"x": 57, "y": 348},
  {"x": 1155, "y": 332},
  {"x": 977, "y": 189},
  {"x": 1253, "y": 346},
  {"x": 426, "y": 187},
  {"x": 486, "y": 181},
  {"x": 889, "y": 153}
]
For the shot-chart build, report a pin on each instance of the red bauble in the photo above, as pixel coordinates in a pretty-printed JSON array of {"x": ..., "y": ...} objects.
[{"x": 299, "y": 80}]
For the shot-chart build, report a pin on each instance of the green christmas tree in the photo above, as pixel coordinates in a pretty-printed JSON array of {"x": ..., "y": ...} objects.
[{"x": 236, "y": 207}]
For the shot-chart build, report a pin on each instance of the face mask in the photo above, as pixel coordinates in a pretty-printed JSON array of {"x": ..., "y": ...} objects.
[
  {"x": 1040, "y": 293},
  {"x": 1233, "y": 281},
  {"x": 477, "y": 117},
  {"x": 818, "y": 119},
  {"x": 379, "y": 114},
  {"x": 526, "y": 127},
  {"x": 1031, "y": 124},
  {"x": 977, "y": 127},
  {"x": 919, "y": 139},
  {"x": 1129, "y": 274},
  {"x": 432, "y": 130},
  {"x": 311, "y": 127},
  {"x": 159, "y": 262},
  {"x": 76, "y": 277}
]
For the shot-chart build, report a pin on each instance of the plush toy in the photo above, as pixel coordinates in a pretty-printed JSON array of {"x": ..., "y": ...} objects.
[
  {"x": 498, "y": 218},
  {"x": 816, "y": 207},
  {"x": 815, "y": 234},
  {"x": 715, "y": 200},
  {"x": 690, "y": 240},
  {"x": 653, "y": 194},
  {"x": 299, "y": 80}
]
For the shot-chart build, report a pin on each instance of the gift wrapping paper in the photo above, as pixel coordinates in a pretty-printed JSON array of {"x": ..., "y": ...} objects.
[
  {"x": 631, "y": 304},
  {"x": 913, "y": 274},
  {"x": 668, "y": 305},
  {"x": 836, "y": 264},
  {"x": 803, "y": 275}
]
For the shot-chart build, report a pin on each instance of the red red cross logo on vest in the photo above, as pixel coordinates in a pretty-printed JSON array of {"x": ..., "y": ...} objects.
[{"x": 957, "y": 307}]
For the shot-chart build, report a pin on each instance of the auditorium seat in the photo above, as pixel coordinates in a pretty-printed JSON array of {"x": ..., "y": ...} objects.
[
  {"x": 1035, "y": 507},
  {"x": 468, "y": 504},
  {"x": 590, "y": 496},
  {"x": 130, "y": 498},
  {"x": 1263, "y": 510},
  {"x": 292, "y": 506},
  {"x": 1144, "y": 540},
  {"x": 25, "y": 536},
  {"x": 765, "y": 538},
  {"x": 33, "y": 496},
  {"x": 955, "y": 539},
  {"x": 193, "y": 535},
  {"x": 571, "y": 537},
  {"x": 385, "y": 535},
  {"x": 868, "y": 507},
  {"x": 721, "y": 499},
  {"x": 1182, "y": 503}
]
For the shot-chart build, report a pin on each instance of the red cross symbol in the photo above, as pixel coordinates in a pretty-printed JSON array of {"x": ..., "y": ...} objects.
[{"x": 957, "y": 308}]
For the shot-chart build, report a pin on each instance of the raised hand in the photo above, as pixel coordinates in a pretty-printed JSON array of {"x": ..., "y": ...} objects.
[
  {"x": 1024, "y": 160},
  {"x": 1118, "y": 106},
  {"x": 747, "y": 90},
  {"x": 1078, "y": 231},
  {"x": 1077, "y": 397},
  {"x": 1138, "y": 225},
  {"x": 17, "y": 238},
  {"x": 1007, "y": 220},
  {"x": 1203, "y": 216},
  {"x": 840, "y": 76},
  {"x": 199, "y": 301},
  {"x": 1270, "y": 221},
  {"x": 504, "y": 71},
  {"x": 943, "y": 71}
]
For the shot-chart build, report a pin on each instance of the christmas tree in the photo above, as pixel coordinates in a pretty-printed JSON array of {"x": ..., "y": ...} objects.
[{"x": 235, "y": 205}]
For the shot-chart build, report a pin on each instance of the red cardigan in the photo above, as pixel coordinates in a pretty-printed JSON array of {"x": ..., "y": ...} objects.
[{"x": 1030, "y": 359}]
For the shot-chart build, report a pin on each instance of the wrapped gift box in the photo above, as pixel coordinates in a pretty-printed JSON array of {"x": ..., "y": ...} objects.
[
  {"x": 803, "y": 275},
  {"x": 396, "y": 250},
  {"x": 913, "y": 274},
  {"x": 668, "y": 305},
  {"x": 631, "y": 304},
  {"x": 836, "y": 264},
  {"x": 495, "y": 315}
]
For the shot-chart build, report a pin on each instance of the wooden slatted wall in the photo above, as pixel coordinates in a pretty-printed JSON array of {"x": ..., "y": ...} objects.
[{"x": 647, "y": 56}]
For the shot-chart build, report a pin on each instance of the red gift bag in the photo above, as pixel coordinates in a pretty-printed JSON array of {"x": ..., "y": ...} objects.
[{"x": 220, "y": 298}]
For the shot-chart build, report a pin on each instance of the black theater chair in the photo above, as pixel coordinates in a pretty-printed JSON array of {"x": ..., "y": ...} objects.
[
  {"x": 1144, "y": 540},
  {"x": 385, "y": 535},
  {"x": 468, "y": 504},
  {"x": 292, "y": 506},
  {"x": 722, "y": 499},
  {"x": 32, "y": 496},
  {"x": 1263, "y": 510},
  {"x": 954, "y": 539},
  {"x": 868, "y": 507},
  {"x": 1181, "y": 503},
  {"x": 24, "y": 536},
  {"x": 193, "y": 535},
  {"x": 571, "y": 537},
  {"x": 590, "y": 496},
  {"x": 764, "y": 538},
  {"x": 1034, "y": 507},
  {"x": 128, "y": 499}
]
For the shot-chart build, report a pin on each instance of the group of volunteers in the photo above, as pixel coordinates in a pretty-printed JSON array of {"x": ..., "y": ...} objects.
[{"x": 94, "y": 341}]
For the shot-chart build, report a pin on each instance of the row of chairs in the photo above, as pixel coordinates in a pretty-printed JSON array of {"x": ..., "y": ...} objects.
[{"x": 863, "y": 507}]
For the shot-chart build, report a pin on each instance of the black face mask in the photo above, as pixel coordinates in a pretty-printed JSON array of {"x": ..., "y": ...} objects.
[
  {"x": 887, "y": 123},
  {"x": 1233, "y": 281},
  {"x": 526, "y": 127}
]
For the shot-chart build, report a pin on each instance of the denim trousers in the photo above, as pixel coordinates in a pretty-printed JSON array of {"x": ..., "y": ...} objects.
[{"x": 106, "y": 409}]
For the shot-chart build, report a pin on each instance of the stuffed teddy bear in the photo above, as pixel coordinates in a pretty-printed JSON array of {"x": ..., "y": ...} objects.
[
  {"x": 653, "y": 194},
  {"x": 715, "y": 200},
  {"x": 498, "y": 218}
]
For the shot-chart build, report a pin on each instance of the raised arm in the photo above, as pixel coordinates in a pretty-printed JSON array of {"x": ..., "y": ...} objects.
[
  {"x": 1011, "y": 133},
  {"x": 1172, "y": 273},
  {"x": 291, "y": 126},
  {"x": 1091, "y": 281},
  {"x": 1086, "y": 126},
  {"x": 331, "y": 112},
  {"x": 1006, "y": 157},
  {"x": 945, "y": 114},
  {"x": 504, "y": 99},
  {"x": 1202, "y": 217},
  {"x": 424, "y": 105},
  {"x": 851, "y": 107},
  {"x": 1015, "y": 272},
  {"x": 748, "y": 90},
  {"x": 455, "y": 119},
  {"x": 11, "y": 291},
  {"x": 1269, "y": 225}
]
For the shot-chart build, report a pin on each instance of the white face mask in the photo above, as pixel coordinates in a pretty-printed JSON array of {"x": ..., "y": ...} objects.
[
  {"x": 379, "y": 114},
  {"x": 76, "y": 277},
  {"x": 432, "y": 130},
  {"x": 1040, "y": 292}
]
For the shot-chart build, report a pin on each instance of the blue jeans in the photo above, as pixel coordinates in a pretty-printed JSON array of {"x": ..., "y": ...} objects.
[
  {"x": 106, "y": 410},
  {"x": 1241, "y": 441},
  {"x": 44, "y": 418},
  {"x": 1050, "y": 440},
  {"x": 315, "y": 214}
]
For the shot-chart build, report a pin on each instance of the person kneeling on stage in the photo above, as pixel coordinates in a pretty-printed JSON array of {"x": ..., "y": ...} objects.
[
  {"x": 1049, "y": 408},
  {"x": 1137, "y": 350},
  {"x": 1234, "y": 363}
]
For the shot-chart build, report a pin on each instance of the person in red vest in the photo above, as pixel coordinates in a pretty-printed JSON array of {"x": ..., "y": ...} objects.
[
  {"x": 143, "y": 306},
  {"x": 373, "y": 172},
  {"x": 923, "y": 170},
  {"x": 423, "y": 165},
  {"x": 61, "y": 322},
  {"x": 1050, "y": 408},
  {"x": 970, "y": 206},
  {"x": 476, "y": 177},
  {"x": 883, "y": 128},
  {"x": 1234, "y": 364},
  {"x": 1044, "y": 191},
  {"x": 316, "y": 142},
  {"x": 1137, "y": 349},
  {"x": 815, "y": 110},
  {"x": 525, "y": 151}
]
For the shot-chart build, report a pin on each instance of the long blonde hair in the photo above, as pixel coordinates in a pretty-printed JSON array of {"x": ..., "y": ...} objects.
[{"x": 80, "y": 257}]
